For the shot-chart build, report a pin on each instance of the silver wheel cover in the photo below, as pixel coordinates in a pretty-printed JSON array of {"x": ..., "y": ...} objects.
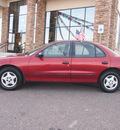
[
  {"x": 9, "y": 79},
  {"x": 110, "y": 82}
]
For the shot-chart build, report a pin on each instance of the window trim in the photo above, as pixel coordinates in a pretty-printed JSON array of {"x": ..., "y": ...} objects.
[
  {"x": 118, "y": 31},
  {"x": 101, "y": 50},
  {"x": 73, "y": 52},
  {"x": 69, "y": 23},
  {"x": 1, "y": 30},
  {"x": 16, "y": 30},
  {"x": 70, "y": 51}
]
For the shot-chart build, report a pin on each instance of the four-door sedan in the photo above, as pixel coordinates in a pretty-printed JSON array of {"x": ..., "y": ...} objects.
[{"x": 63, "y": 61}]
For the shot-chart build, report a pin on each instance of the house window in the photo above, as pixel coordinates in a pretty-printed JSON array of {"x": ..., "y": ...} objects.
[
  {"x": 118, "y": 33},
  {"x": 62, "y": 24},
  {"x": 35, "y": 23},
  {"x": 17, "y": 26},
  {"x": 0, "y": 29}
]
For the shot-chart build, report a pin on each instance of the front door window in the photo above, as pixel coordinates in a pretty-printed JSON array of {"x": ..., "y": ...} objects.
[{"x": 57, "y": 50}]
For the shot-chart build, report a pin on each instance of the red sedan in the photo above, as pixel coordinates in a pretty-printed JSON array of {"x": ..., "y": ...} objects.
[{"x": 63, "y": 61}]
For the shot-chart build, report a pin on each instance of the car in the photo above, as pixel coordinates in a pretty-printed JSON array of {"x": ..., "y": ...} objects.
[{"x": 63, "y": 61}]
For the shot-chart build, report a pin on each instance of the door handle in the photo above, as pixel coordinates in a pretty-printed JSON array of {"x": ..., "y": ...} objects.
[
  {"x": 65, "y": 62},
  {"x": 104, "y": 63}
]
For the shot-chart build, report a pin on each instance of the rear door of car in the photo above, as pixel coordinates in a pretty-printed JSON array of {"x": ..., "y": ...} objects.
[
  {"x": 88, "y": 61},
  {"x": 55, "y": 64}
]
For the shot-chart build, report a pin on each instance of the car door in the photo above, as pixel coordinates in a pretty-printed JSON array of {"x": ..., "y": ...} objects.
[
  {"x": 54, "y": 65},
  {"x": 88, "y": 62}
]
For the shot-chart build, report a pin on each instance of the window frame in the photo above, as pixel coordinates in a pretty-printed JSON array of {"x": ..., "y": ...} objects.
[
  {"x": 15, "y": 29},
  {"x": 1, "y": 30},
  {"x": 118, "y": 31},
  {"x": 100, "y": 50},
  {"x": 95, "y": 46},
  {"x": 70, "y": 51},
  {"x": 70, "y": 27},
  {"x": 35, "y": 23}
]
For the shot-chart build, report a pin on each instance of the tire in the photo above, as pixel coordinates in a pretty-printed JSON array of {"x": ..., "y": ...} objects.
[
  {"x": 109, "y": 81},
  {"x": 10, "y": 78}
]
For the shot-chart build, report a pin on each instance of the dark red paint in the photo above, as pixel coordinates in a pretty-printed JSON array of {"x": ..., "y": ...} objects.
[{"x": 53, "y": 69}]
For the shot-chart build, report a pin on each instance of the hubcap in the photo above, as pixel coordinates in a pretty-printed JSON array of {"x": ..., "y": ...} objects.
[
  {"x": 9, "y": 79},
  {"x": 110, "y": 82}
]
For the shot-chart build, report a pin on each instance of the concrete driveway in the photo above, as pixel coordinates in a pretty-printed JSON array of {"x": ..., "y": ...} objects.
[{"x": 59, "y": 106}]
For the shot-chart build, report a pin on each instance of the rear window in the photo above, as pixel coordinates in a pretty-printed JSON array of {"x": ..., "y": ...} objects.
[{"x": 111, "y": 51}]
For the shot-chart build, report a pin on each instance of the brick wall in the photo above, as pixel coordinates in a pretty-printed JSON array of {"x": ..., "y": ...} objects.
[
  {"x": 40, "y": 25},
  {"x": 105, "y": 13},
  {"x": 113, "y": 24},
  {"x": 5, "y": 16},
  {"x": 30, "y": 24}
]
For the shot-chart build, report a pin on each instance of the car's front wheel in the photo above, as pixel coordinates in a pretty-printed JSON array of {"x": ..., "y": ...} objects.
[
  {"x": 110, "y": 81},
  {"x": 10, "y": 78}
]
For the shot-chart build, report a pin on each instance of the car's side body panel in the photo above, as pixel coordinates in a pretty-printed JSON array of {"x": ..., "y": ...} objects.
[
  {"x": 20, "y": 62},
  {"x": 49, "y": 69},
  {"x": 115, "y": 62},
  {"x": 88, "y": 69}
]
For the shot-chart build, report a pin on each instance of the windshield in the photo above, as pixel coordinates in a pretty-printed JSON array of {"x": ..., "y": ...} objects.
[{"x": 36, "y": 50}]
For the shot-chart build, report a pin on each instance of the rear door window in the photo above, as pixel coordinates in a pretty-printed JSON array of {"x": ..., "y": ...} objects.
[
  {"x": 88, "y": 50},
  {"x": 84, "y": 49}
]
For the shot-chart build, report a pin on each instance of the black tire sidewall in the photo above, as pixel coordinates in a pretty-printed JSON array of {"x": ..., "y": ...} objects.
[
  {"x": 16, "y": 72},
  {"x": 102, "y": 80}
]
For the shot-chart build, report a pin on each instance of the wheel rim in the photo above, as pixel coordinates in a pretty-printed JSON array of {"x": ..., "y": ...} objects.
[
  {"x": 9, "y": 79},
  {"x": 110, "y": 82}
]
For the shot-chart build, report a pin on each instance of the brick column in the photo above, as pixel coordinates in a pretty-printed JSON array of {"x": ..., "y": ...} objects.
[
  {"x": 5, "y": 16},
  {"x": 40, "y": 25},
  {"x": 105, "y": 14},
  {"x": 30, "y": 24},
  {"x": 113, "y": 24}
]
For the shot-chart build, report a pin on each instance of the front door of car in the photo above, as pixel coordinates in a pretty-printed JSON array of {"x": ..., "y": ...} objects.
[
  {"x": 88, "y": 62},
  {"x": 54, "y": 65}
]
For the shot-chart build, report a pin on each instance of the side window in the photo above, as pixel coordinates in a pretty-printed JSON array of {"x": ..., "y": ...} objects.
[
  {"x": 84, "y": 49},
  {"x": 99, "y": 52},
  {"x": 61, "y": 49}
]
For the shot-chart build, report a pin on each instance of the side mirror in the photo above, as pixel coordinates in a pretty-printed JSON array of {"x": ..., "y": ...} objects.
[{"x": 40, "y": 55}]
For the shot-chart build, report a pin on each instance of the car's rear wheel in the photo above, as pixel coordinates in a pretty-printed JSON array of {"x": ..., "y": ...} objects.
[
  {"x": 10, "y": 78},
  {"x": 109, "y": 81}
]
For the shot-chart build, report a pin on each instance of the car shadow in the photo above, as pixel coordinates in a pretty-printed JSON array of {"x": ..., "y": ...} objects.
[{"x": 56, "y": 86}]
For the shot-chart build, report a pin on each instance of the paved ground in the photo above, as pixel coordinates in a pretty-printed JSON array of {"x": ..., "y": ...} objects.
[{"x": 59, "y": 106}]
